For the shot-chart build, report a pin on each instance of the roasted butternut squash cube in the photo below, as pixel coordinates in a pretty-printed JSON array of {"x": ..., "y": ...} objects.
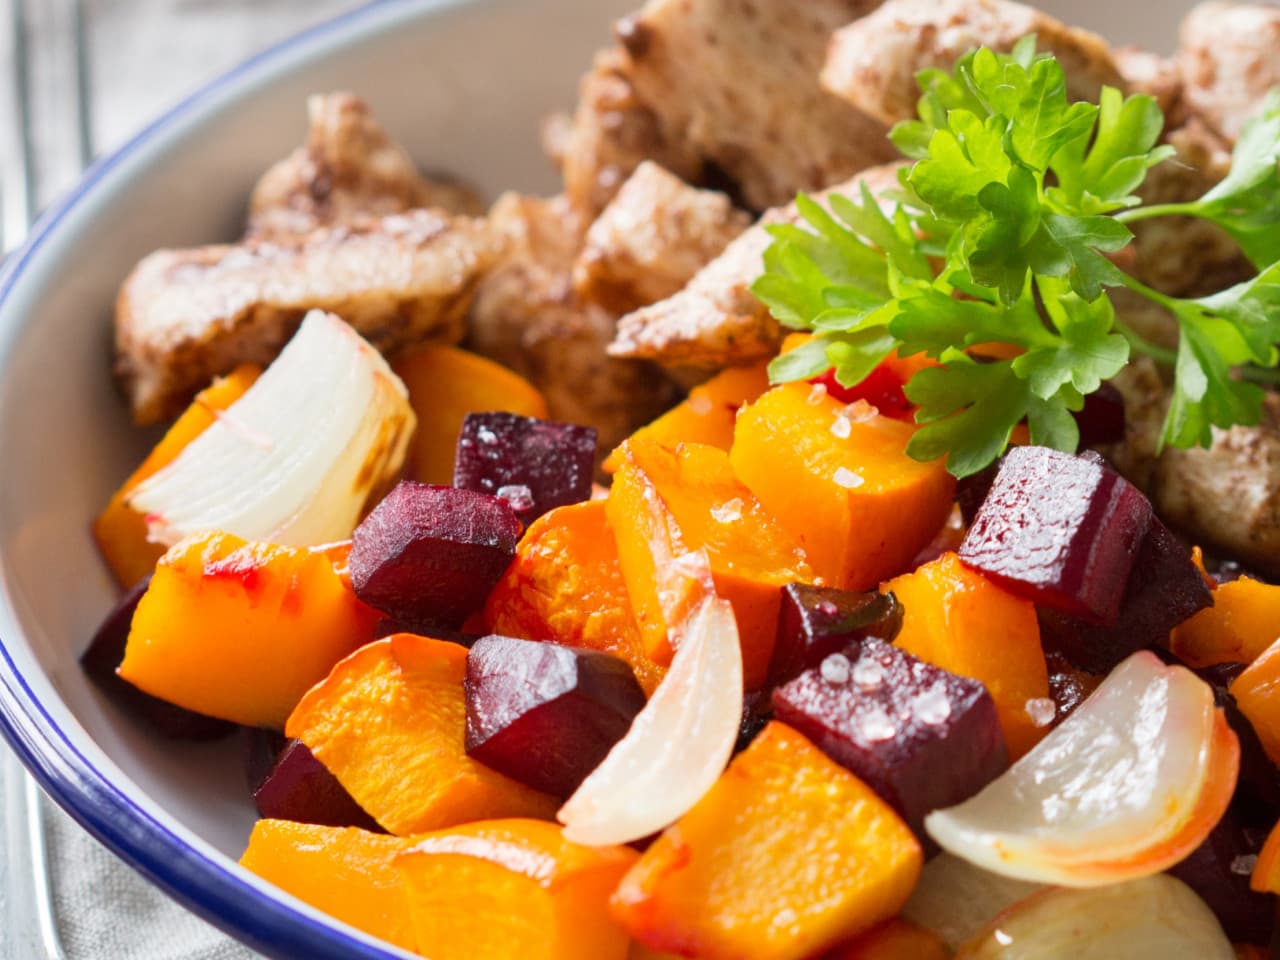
[
  {"x": 1243, "y": 621},
  {"x": 445, "y": 384},
  {"x": 390, "y": 723},
  {"x": 960, "y": 621},
  {"x": 345, "y": 872},
  {"x": 839, "y": 480},
  {"x": 1257, "y": 693},
  {"x": 707, "y": 415},
  {"x": 121, "y": 531},
  {"x": 566, "y": 587},
  {"x": 240, "y": 630},
  {"x": 752, "y": 556},
  {"x": 513, "y": 888},
  {"x": 787, "y": 855}
]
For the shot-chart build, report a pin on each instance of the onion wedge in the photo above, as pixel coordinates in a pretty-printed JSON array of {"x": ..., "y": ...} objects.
[
  {"x": 956, "y": 900},
  {"x": 293, "y": 460},
  {"x": 679, "y": 744},
  {"x": 1127, "y": 786},
  {"x": 1155, "y": 918}
]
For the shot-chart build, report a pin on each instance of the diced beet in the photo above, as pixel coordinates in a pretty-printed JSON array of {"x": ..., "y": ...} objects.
[
  {"x": 921, "y": 737},
  {"x": 757, "y": 711},
  {"x": 972, "y": 490},
  {"x": 1164, "y": 589},
  {"x": 544, "y": 714},
  {"x": 533, "y": 464},
  {"x": 1102, "y": 418},
  {"x": 1061, "y": 531},
  {"x": 1218, "y": 870},
  {"x": 262, "y": 748},
  {"x": 427, "y": 556},
  {"x": 301, "y": 789},
  {"x": 103, "y": 656},
  {"x": 1067, "y": 687},
  {"x": 817, "y": 621}
]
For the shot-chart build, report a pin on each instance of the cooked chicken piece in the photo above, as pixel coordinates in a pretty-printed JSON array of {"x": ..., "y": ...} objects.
[
  {"x": 1226, "y": 496},
  {"x": 527, "y": 316},
  {"x": 737, "y": 81},
  {"x": 611, "y": 134},
  {"x": 1230, "y": 58},
  {"x": 185, "y": 316},
  {"x": 347, "y": 168},
  {"x": 716, "y": 321},
  {"x": 651, "y": 239},
  {"x": 1152, "y": 74},
  {"x": 872, "y": 63}
]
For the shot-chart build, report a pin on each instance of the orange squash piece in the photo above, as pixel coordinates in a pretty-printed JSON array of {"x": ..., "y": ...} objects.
[
  {"x": 566, "y": 586},
  {"x": 1266, "y": 872},
  {"x": 960, "y": 621},
  {"x": 1243, "y": 621},
  {"x": 1257, "y": 693},
  {"x": 121, "y": 531},
  {"x": 895, "y": 940},
  {"x": 752, "y": 557},
  {"x": 786, "y": 856},
  {"x": 445, "y": 384},
  {"x": 843, "y": 486},
  {"x": 241, "y": 630},
  {"x": 347, "y": 873},
  {"x": 389, "y": 722},
  {"x": 513, "y": 888},
  {"x": 707, "y": 415}
]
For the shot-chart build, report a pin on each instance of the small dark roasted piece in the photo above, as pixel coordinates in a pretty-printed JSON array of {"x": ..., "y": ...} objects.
[{"x": 815, "y": 622}]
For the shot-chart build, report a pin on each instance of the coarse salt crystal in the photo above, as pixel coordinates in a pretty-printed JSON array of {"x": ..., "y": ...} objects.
[
  {"x": 1244, "y": 864},
  {"x": 727, "y": 512},
  {"x": 835, "y": 669},
  {"x": 817, "y": 394},
  {"x": 846, "y": 478},
  {"x": 876, "y": 726},
  {"x": 518, "y": 495},
  {"x": 868, "y": 674},
  {"x": 841, "y": 428},
  {"x": 932, "y": 707},
  {"x": 1041, "y": 710},
  {"x": 860, "y": 411}
]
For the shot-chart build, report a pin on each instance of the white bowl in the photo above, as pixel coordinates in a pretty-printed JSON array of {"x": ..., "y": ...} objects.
[{"x": 464, "y": 84}]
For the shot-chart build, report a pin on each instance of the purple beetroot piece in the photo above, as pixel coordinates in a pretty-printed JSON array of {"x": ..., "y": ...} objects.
[
  {"x": 920, "y": 737},
  {"x": 1218, "y": 870},
  {"x": 815, "y": 622},
  {"x": 1059, "y": 530},
  {"x": 1164, "y": 589},
  {"x": 301, "y": 789},
  {"x": 544, "y": 714},
  {"x": 427, "y": 556},
  {"x": 1102, "y": 418},
  {"x": 757, "y": 711},
  {"x": 103, "y": 656},
  {"x": 535, "y": 465}
]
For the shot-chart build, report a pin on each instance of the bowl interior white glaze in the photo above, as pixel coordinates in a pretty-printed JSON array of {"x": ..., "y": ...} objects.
[{"x": 464, "y": 85}]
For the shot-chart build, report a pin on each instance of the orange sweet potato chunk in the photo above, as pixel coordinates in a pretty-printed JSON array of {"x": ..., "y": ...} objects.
[
  {"x": 566, "y": 587},
  {"x": 241, "y": 630},
  {"x": 895, "y": 940},
  {"x": 1257, "y": 693},
  {"x": 345, "y": 872},
  {"x": 121, "y": 531},
  {"x": 752, "y": 557},
  {"x": 786, "y": 856},
  {"x": 960, "y": 621},
  {"x": 1243, "y": 621},
  {"x": 707, "y": 415},
  {"x": 513, "y": 888},
  {"x": 1266, "y": 871},
  {"x": 389, "y": 722},
  {"x": 843, "y": 486},
  {"x": 445, "y": 384}
]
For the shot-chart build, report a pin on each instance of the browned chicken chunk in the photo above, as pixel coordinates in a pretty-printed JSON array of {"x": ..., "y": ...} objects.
[
  {"x": 185, "y": 316},
  {"x": 1230, "y": 58},
  {"x": 527, "y": 316},
  {"x": 872, "y": 63},
  {"x": 347, "y": 168},
  {"x": 716, "y": 321},
  {"x": 651, "y": 239}
]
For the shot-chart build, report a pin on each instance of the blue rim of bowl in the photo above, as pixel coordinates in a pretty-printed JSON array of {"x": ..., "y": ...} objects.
[{"x": 209, "y": 889}]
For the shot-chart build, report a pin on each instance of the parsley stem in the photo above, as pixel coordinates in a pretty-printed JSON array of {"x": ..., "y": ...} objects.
[
  {"x": 1134, "y": 214},
  {"x": 1252, "y": 373},
  {"x": 1144, "y": 346}
]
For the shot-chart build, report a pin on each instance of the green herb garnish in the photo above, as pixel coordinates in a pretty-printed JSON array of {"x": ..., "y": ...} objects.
[{"x": 1020, "y": 195}]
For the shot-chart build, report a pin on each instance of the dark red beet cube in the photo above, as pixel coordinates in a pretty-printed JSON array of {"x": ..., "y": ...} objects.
[
  {"x": 1061, "y": 531},
  {"x": 815, "y": 622},
  {"x": 1164, "y": 589},
  {"x": 1101, "y": 420},
  {"x": 533, "y": 464},
  {"x": 300, "y": 788},
  {"x": 261, "y": 750},
  {"x": 921, "y": 737},
  {"x": 103, "y": 656},
  {"x": 757, "y": 711},
  {"x": 972, "y": 490},
  {"x": 427, "y": 556},
  {"x": 544, "y": 714},
  {"x": 1218, "y": 870}
]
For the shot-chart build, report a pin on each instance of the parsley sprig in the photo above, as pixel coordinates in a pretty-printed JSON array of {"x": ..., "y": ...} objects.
[{"x": 1000, "y": 233}]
